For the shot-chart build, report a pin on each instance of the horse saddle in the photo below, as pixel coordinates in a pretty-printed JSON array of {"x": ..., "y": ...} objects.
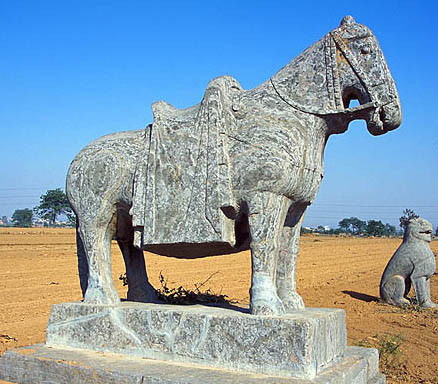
[{"x": 184, "y": 182}]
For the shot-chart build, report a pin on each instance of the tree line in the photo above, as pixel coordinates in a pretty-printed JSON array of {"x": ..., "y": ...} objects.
[
  {"x": 53, "y": 204},
  {"x": 357, "y": 227}
]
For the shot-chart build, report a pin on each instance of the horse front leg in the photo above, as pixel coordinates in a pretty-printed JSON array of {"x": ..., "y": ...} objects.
[
  {"x": 139, "y": 288},
  {"x": 266, "y": 216},
  {"x": 287, "y": 258}
]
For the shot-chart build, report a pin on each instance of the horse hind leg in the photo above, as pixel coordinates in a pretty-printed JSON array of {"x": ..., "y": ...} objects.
[
  {"x": 95, "y": 235},
  {"x": 139, "y": 288},
  {"x": 96, "y": 179}
]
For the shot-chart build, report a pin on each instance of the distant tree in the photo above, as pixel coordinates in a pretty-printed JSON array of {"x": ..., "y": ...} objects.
[
  {"x": 305, "y": 230},
  {"x": 436, "y": 231},
  {"x": 390, "y": 230},
  {"x": 52, "y": 204},
  {"x": 408, "y": 214},
  {"x": 344, "y": 225},
  {"x": 71, "y": 220},
  {"x": 352, "y": 225},
  {"x": 375, "y": 228},
  {"x": 22, "y": 217},
  {"x": 357, "y": 226},
  {"x": 320, "y": 229}
]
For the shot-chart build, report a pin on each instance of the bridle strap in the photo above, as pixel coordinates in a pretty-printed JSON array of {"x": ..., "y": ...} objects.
[
  {"x": 334, "y": 42},
  {"x": 357, "y": 69}
]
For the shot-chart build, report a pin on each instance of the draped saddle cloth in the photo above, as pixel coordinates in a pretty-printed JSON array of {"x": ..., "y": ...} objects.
[{"x": 184, "y": 178}]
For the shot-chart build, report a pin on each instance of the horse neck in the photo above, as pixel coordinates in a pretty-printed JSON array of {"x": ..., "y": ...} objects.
[
  {"x": 309, "y": 82},
  {"x": 262, "y": 107}
]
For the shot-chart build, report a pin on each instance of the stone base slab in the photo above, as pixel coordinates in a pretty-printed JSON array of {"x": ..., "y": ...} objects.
[
  {"x": 298, "y": 345},
  {"x": 41, "y": 364}
]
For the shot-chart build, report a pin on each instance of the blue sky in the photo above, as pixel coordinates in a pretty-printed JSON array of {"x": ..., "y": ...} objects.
[{"x": 72, "y": 71}]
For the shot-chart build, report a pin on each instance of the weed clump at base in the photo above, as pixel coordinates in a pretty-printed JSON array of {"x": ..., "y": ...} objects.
[
  {"x": 389, "y": 351},
  {"x": 185, "y": 296}
]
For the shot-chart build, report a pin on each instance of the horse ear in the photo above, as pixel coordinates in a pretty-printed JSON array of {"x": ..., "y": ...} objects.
[{"x": 347, "y": 20}]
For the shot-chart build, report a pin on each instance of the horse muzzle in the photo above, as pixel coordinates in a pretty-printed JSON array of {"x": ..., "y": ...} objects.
[{"x": 385, "y": 118}]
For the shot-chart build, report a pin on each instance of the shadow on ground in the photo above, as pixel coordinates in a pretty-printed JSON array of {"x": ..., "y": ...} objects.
[{"x": 362, "y": 296}]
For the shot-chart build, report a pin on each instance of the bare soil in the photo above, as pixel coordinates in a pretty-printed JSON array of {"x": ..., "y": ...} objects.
[{"x": 38, "y": 269}]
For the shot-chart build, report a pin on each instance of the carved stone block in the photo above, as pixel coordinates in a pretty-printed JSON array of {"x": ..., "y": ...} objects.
[
  {"x": 301, "y": 344},
  {"x": 41, "y": 364}
]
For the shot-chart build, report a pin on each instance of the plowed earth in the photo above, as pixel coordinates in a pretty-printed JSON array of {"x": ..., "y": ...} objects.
[{"x": 38, "y": 269}]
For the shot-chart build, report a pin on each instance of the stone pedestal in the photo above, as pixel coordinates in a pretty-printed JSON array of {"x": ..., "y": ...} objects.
[{"x": 187, "y": 344}]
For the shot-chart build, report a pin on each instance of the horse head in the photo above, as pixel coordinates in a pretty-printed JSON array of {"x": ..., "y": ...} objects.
[
  {"x": 344, "y": 65},
  {"x": 364, "y": 75}
]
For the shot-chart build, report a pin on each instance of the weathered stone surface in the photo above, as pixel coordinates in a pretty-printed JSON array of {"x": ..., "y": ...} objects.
[
  {"x": 412, "y": 263},
  {"x": 243, "y": 165},
  {"x": 41, "y": 364},
  {"x": 301, "y": 344}
]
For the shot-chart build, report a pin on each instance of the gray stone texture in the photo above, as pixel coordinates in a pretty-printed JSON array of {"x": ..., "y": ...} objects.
[
  {"x": 301, "y": 344},
  {"x": 412, "y": 264},
  {"x": 40, "y": 364},
  {"x": 240, "y": 167}
]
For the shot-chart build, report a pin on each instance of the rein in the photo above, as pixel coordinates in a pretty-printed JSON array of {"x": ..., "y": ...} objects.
[{"x": 334, "y": 42}]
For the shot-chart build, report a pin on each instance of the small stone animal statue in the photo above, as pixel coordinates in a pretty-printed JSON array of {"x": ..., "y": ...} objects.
[
  {"x": 240, "y": 167},
  {"x": 412, "y": 263}
]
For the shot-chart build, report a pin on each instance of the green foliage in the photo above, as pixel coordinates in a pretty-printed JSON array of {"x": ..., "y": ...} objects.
[
  {"x": 413, "y": 307},
  {"x": 22, "y": 217},
  {"x": 375, "y": 228},
  {"x": 356, "y": 226},
  {"x": 71, "y": 219},
  {"x": 344, "y": 225},
  {"x": 390, "y": 230},
  {"x": 52, "y": 204},
  {"x": 352, "y": 225},
  {"x": 408, "y": 214},
  {"x": 389, "y": 350}
]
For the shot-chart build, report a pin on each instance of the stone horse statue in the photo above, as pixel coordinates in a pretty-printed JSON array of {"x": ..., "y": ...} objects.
[{"x": 240, "y": 167}]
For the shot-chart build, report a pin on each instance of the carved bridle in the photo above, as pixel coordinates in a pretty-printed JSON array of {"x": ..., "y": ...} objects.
[{"x": 333, "y": 42}]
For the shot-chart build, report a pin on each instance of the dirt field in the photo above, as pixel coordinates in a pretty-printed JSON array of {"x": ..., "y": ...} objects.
[{"x": 38, "y": 269}]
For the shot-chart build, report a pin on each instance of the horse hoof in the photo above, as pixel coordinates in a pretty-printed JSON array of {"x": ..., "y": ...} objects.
[
  {"x": 264, "y": 298},
  {"x": 272, "y": 307},
  {"x": 293, "y": 303},
  {"x": 142, "y": 295}
]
